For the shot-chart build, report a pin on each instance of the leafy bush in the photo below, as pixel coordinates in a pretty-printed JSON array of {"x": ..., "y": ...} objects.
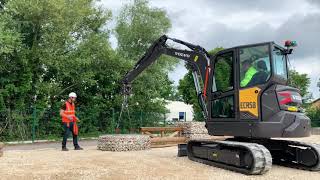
[{"x": 314, "y": 114}]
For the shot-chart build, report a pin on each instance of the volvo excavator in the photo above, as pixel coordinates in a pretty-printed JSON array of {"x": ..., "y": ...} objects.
[{"x": 243, "y": 93}]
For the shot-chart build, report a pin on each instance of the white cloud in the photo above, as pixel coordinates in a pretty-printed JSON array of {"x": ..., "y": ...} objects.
[
  {"x": 212, "y": 23},
  {"x": 311, "y": 67},
  {"x": 178, "y": 73}
]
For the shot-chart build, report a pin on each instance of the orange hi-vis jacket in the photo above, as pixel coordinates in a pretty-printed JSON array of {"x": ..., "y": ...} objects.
[{"x": 70, "y": 111}]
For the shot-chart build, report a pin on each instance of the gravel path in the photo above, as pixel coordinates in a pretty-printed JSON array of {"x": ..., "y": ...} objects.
[
  {"x": 53, "y": 145},
  {"x": 48, "y": 162}
]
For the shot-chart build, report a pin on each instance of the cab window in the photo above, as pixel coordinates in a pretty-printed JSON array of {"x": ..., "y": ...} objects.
[
  {"x": 279, "y": 63},
  {"x": 254, "y": 65},
  {"x": 223, "y": 107},
  {"x": 223, "y": 73}
]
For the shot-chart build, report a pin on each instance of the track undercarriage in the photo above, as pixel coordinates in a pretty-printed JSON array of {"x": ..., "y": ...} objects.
[{"x": 253, "y": 156}]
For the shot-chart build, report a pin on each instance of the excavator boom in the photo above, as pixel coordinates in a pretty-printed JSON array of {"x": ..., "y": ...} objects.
[{"x": 196, "y": 57}]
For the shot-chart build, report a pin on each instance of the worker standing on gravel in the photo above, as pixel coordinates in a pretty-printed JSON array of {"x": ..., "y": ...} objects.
[{"x": 69, "y": 121}]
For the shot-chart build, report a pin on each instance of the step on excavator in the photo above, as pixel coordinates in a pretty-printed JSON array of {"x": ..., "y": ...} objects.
[{"x": 243, "y": 93}]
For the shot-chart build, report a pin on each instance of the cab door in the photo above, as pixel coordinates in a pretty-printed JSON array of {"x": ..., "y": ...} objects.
[{"x": 222, "y": 100}]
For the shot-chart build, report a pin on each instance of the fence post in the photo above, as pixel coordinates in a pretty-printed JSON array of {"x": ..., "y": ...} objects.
[
  {"x": 34, "y": 115},
  {"x": 129, "y": 121},
  {"x": 113, "y": 121},
  {"x": 141, "y": 125}
]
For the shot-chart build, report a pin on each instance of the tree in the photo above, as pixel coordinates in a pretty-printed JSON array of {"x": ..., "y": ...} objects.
[
  {"x": 49, "y": 48},
  {"x": 187, "y": 90},
  {"x": 2, "y": 3},
  {"x": 138, "y": 26},
  {"x": 189, "y": 95},
  {"x": 299, "y": 81},
  {"x": 314, "y": 114}
]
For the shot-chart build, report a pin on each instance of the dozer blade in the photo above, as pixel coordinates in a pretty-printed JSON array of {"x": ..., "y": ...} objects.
[{"x": 247, "y": 158}]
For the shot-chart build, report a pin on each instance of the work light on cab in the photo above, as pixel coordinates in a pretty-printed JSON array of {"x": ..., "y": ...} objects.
[{"x": 289, "y": 43}]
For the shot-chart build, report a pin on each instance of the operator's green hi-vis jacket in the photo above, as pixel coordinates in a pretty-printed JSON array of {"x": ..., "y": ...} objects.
[{"x": 248, "y": 76}]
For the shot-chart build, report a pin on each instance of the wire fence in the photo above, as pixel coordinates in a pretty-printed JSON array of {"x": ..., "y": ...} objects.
[{"x": 44, "y": 123}]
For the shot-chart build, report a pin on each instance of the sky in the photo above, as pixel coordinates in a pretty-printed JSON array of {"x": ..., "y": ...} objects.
[{"x": 227, "y": 23}]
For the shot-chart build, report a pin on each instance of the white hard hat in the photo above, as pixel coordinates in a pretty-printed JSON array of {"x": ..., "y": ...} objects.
[{"x": 72, "y": 94}]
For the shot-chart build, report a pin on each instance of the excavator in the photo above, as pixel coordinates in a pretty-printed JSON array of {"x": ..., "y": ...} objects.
[{"x": 243, "y": 94}]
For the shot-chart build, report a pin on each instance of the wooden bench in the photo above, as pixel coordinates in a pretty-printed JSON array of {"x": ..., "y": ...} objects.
[{"x": 161, "y": 138}]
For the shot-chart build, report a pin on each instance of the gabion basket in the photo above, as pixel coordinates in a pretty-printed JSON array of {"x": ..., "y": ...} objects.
[{"x": 124, "y": 142}]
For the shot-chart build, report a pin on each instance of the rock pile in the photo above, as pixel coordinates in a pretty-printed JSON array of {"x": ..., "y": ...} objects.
[
  {"x": 123, "y": 142},
  {"x": 1, "y": 149},
  {"x": 194, "y": 130}
]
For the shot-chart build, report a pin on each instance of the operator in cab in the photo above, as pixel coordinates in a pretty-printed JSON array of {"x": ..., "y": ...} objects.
[{"x": 249, "y": 72}]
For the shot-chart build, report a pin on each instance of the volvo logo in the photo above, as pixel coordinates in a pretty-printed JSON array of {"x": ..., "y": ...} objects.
[
  {"x": 182, "y": 54},
  {"x": 296, "y": 97}
]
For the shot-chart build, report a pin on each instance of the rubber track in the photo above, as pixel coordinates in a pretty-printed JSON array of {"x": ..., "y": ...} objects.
[
  {"x": 315, "y": 147},
  {"x": 262, "y": 160}
]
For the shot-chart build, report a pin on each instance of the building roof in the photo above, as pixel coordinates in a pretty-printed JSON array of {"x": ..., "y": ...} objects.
[{"x": 315, "y": 100}]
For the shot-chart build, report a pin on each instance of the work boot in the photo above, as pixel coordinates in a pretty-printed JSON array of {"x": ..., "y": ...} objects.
[
  {"x": 78, "y": 148},
  {"x": 65, "y": 149}
]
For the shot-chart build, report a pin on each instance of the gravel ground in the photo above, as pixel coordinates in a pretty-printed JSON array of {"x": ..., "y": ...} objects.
[{"x": 48, "y": 162}]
